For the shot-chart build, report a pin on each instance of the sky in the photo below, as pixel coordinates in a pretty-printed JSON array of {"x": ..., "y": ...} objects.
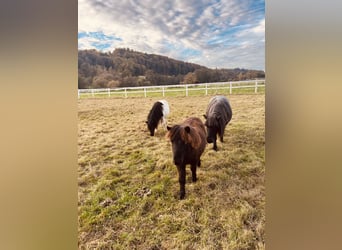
[{"x": 213, "y": 33}]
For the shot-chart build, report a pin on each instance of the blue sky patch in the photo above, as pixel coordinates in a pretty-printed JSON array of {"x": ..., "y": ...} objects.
[{"x": 98, "y": 35}]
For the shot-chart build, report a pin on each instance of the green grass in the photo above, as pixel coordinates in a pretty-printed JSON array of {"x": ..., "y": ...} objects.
[{"x": 128, "y": 185}]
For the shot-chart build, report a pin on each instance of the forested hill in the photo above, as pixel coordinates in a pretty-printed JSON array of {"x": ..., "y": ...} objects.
[{"x": 125, "y": 67}]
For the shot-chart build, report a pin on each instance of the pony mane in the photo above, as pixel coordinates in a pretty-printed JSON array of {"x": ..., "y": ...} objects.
[
  {"x": 212, "y": 121},
  {"x": 178, "y": 132},
  {"x": 218, "y": 107}
]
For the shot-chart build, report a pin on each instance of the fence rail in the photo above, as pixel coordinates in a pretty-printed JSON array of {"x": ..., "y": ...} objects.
[{"x": 183, "y": 89}]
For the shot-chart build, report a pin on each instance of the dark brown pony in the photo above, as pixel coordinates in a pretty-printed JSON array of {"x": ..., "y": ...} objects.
[{"x": 188, "y": 143}]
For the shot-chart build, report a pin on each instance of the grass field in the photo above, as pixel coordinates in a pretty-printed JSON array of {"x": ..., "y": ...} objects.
[{"x": 128, "y": 185}]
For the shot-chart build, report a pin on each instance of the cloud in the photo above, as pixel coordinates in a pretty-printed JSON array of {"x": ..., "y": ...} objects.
[
  {"x": 260, "y": 28},
  {"x": 214, "y": 33}
]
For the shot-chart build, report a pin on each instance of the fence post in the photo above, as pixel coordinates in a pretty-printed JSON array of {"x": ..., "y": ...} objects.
[
  {"x": 109, "y": 92},
  {"x": 145, "y": 92},
  {"x": 78, "y": 92},
  {"x": 163, "y": 91},
  {"x": 92, "y": 92},
  {"x": 256, "y": 87},
  {"x": 186, "y": 90},
  {"x": 230, "y": 87},
  {"x": 125, "y": 92},
  {"x": 206, "y": 89}
]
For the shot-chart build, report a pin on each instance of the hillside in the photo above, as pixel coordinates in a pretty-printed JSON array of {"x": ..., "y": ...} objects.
[{"x": 125, "y": 67}]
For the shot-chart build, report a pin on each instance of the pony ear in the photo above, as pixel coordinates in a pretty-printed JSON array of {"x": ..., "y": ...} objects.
[
  {"x": 187, "y": 129},
  {"x": 168, "y": 128},
  {"x": 205, "y": 116}
]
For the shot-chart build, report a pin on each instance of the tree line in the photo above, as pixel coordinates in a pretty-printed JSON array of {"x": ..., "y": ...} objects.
[{"x": 128, "y": 68}]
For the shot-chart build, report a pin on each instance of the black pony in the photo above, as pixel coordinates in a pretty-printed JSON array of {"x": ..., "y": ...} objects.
[
  {"x": 188, "y": 143},
  {"x": 218, "y": 115}
]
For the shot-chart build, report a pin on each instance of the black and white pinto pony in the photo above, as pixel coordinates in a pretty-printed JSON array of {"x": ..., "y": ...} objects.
[
  {"x": 218, "y": 115},
  {"x": 158, "y": 114}
]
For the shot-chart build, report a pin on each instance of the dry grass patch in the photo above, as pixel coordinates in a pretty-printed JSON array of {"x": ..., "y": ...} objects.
[{"x": 128, "y": 185}]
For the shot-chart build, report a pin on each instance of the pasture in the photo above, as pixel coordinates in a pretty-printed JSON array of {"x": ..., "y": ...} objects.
[{"x": 128, "y": 185}]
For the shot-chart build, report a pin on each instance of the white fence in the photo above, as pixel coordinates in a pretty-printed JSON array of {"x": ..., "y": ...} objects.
[{"x": 162, "y": 90}]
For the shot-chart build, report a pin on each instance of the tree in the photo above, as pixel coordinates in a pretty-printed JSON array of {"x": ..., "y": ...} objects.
[
  {"x": 83, "y": 82},
  {"x": 190, "y": 78},
  {"x": 203, "y": 75}
]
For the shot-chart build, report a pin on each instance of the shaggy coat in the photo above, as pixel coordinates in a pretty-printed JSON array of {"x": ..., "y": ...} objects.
[
  {"x": 188, "y": 143},
  {"x": 218, "y": 115},
  {"x": 157, "y": 114}
]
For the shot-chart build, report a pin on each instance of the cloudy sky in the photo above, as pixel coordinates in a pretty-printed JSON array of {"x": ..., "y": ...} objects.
[{"x": 212, "y": 33}]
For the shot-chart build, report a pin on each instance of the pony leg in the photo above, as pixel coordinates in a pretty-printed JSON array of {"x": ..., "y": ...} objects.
[
  {"x": 193, "y": 170},
  {"x": 163, "y": 122},
  {"x": 221, "y": 134},
  {"x": 215, "y": 146},
  {"x": 181, "y": 179}
]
